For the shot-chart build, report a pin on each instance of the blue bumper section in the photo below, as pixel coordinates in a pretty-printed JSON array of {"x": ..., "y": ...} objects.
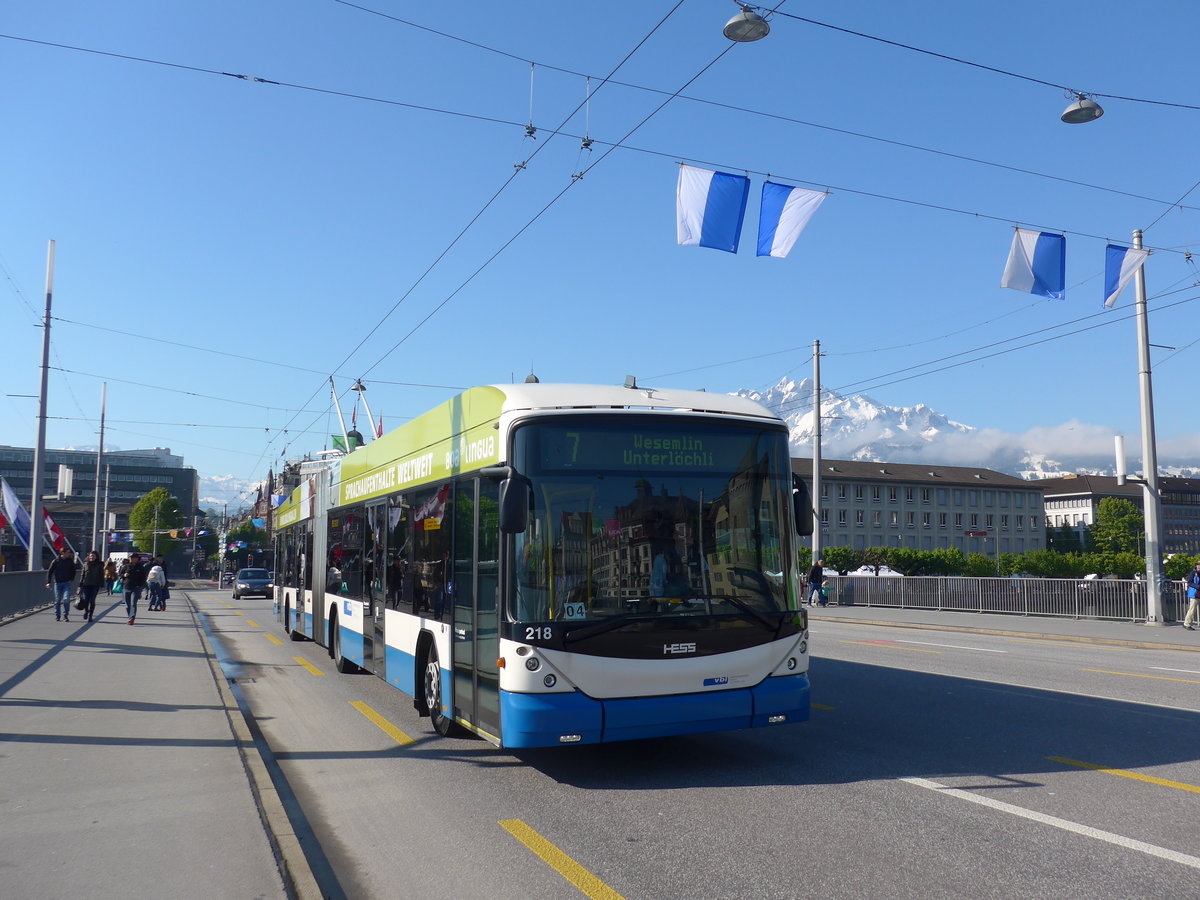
[
  {"x": 541, "y": 720},
  {"x": 352, "y": 644},
  {"x": 399, "y": 668}
]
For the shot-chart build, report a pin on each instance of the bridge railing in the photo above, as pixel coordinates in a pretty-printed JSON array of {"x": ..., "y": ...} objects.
[
  {"x": 1120, "y": 599},
  {"x": 23, "y": 591}
]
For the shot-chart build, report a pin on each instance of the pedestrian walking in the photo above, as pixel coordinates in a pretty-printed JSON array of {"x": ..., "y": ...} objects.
[
  {"x": 1193, "y": 593},
  {"x": 110, "y": 575},
  {"x": 89, "y": 583},
  {"x": 816, "y": 575},
  {"x": 157, "y": 582},
  {"x": 61, "y": 574},
  {"x": 133, "y": 576}
]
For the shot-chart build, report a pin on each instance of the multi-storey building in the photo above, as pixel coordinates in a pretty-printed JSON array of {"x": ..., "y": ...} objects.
[
  {"x": 925, "y": 507},
  {"x": 130, "y": 475},
  {"x": 1074, "y": 500}
]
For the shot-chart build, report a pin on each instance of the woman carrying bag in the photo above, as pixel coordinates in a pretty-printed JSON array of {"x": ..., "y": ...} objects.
[{"x": 89, "y": 584}]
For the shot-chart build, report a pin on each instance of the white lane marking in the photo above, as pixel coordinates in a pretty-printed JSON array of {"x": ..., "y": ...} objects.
[
  {"x": 1085, "y": 830},
  {"x": 1185, "y": 671},
  {"x": 951, "y": 646}
]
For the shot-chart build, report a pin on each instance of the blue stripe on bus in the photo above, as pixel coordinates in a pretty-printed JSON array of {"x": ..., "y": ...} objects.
[
  {"x": 540, "y": 720},
  {"x": 308, "y": 632},
  {"x": 399, "y": 668},
  {"x": 352, "y": 644}
]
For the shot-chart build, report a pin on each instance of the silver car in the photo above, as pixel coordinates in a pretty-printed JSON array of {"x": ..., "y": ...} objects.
[{"x": 253, "y": 582}]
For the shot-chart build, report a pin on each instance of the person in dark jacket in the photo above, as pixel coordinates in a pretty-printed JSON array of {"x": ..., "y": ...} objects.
[
  {"x": 816, "y": 577},
  {"x": 61, "y": 574},
  {"x": 133, "y": 576},
  {"x": 90, "y": 582}
]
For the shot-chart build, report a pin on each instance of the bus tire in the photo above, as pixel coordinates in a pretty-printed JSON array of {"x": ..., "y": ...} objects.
[
  {"x": 432, "y": 695},
  {"x": 342, "y": 664}
]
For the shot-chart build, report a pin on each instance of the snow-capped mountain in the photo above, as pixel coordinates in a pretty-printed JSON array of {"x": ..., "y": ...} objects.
[
  {"x": 218, "y": 490},
  {"x": 857, "y": 427}
]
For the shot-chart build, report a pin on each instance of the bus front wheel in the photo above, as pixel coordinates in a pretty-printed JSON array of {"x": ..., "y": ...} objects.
[{"x": 442, "y": 723}]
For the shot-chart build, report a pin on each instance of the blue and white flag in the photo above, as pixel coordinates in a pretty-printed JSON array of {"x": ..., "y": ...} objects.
[
  {"x": 710, "y": 207},
  {"x": 14, "y": 512},
  {"x": 782, "y": 214},
  {"x": 1120, "y": 264},
  {"x": 1037, "y": 264}
]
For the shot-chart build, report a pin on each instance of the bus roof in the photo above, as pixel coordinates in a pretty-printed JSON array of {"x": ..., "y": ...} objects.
[{"x": 584, "y": 396}]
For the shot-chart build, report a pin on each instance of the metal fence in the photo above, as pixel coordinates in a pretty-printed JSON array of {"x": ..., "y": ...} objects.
[
  {"x": 1068, "y": 597},
  {"x": 21, "y": 591}
]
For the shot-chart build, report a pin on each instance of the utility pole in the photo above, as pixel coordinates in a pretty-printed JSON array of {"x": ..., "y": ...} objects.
[
  {"x": 36, "y": 527},
  {"x": 816, "y": 453},
  {"x": 1152, "y": 500},
  {"x": 96, "y": 491}
]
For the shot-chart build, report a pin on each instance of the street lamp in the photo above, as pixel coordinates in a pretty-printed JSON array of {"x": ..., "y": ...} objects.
[
  {"x": 1084, "y": 109},
  {"x": 746, "y": 26}
]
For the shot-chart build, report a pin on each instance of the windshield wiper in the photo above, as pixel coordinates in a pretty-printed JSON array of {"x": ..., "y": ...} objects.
[
  {"x": 745, "y": 607},
  {"x": 612, "y": 623}
]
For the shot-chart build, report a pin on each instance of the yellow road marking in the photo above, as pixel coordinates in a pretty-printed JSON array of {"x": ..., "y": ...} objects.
[
  {"x": 1075, "y": 643},
  {"x": 1138, "y": 675},
  {"x": 588, "y": 884},
  {"x": 381, "y": 723},
  {"x": 238, "y": 612},
  {"x": 889, "y": 646},
  {"x": 252, "y": 623},
  {"x": 273, "y": 639},
  {"x": 1125, "y": 773},
  {"x": 822, "y": 706},
  {"x": 304, "y": 662}
]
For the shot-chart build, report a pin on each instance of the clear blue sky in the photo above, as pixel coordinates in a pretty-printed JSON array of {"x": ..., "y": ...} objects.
[{"x": 281, "y": 223}]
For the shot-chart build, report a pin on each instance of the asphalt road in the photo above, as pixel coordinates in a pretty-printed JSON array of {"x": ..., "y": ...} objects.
[{"x": 936, "y": 764}]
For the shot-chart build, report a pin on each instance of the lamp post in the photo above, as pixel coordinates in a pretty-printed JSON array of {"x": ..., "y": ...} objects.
[{"x": 1151, "y": 499}]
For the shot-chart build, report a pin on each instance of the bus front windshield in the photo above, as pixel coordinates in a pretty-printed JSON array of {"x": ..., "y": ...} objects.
[{"x": 652, "y": 515}]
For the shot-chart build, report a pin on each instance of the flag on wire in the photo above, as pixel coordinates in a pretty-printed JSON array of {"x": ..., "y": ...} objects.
[
  {"x": 17, "y": 517},
  {"x": 782, "y": 214},
  {"x": 1120, "y": 264},
  {"x": 710, "y": 207},
  {"x": 1037, "y": 264}
]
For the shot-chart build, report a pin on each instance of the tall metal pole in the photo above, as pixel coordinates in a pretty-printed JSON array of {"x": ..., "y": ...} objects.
[
  {"x": 104, "y": 527},
  {"x": 99, "y": 458},
  {"x": 1152, "y": 501},
  {"x": 36, "y": 528},
  {"x": 816, "y": 453}
]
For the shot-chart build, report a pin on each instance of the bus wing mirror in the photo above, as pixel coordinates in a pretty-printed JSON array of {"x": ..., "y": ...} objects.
[
  {"x": 514, "y": 505},
  {"x": 514, "y": 498},
  {"x": 802, "y": 506}
]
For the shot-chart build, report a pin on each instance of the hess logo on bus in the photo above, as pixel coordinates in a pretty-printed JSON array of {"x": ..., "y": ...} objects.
[{"x": 678, "y": 648}]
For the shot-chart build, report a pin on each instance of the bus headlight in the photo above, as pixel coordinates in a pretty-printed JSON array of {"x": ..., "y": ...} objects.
[
  {"x": 533, "y": 664},
  {"x": 803, "y": 648},
  {"x": 549, "y": 681},
  {"x": 791, "y": 663}
]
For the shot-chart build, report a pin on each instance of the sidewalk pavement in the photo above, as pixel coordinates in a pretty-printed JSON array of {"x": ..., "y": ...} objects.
[
  {"x": 1092, "y": 631},
  {"x": 126, "y": 767}
]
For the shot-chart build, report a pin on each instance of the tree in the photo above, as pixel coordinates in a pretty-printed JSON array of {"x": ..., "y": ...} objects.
[
  {"x": 841, "y": 559},
  {"x": 255, "y": 538},
  {"x": 1179, "y": 565},
  {"x": 1119, "y": 526},
  {"x": 1063, "y": 539},
  {"x": 980, "y": 565},
  {"x": 156, "y": 511}
]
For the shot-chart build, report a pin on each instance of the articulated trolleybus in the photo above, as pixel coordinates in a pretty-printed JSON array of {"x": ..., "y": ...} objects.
[{"x": 547, "y": 564}]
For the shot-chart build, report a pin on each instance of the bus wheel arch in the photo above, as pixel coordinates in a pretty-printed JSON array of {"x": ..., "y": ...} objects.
[{"x": 342, "y": 664}]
